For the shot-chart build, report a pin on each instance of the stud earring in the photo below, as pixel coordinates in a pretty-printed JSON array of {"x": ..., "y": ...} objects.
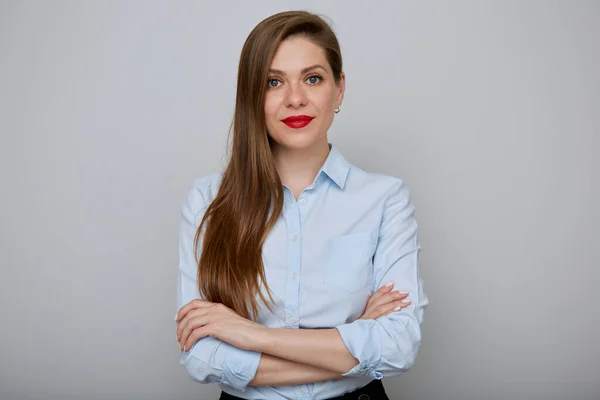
[{"x": 337, "y": 109}]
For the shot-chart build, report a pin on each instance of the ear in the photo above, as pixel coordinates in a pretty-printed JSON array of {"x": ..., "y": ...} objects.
[{"x": 341, "y": 86}]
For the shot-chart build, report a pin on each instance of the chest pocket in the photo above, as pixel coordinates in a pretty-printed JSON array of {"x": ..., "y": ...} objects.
[{"x": 348, "y": 261}]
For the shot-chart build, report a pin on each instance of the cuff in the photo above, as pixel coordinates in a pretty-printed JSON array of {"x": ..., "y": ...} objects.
[
  {"x": 240, "y": 367},
  {"x": 363, "y": 340}
]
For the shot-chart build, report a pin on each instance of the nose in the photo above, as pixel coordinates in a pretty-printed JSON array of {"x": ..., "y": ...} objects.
[{"x": 295, "y": 96}]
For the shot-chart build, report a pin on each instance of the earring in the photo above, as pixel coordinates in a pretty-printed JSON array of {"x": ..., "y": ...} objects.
[{"x": 337, "y": 109}]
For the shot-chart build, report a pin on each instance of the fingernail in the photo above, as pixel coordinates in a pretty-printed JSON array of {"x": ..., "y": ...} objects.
[
  {"x": 175, "y": 318},
  {"x": 402, "y": 292},
  {"x": 405, "y": 301},
  {"x": 397, "y": 308},
  {"x": 389, "y": 284}
]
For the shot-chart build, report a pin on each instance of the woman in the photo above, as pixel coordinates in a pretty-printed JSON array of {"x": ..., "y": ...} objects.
[{"x": 285, "y": 256}]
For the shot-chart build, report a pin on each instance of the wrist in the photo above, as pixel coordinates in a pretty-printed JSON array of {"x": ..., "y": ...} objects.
[{"x": 260, "y": 337}]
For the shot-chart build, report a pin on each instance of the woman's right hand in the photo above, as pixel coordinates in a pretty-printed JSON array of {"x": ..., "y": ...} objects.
[{"x": 385, "y": 301}]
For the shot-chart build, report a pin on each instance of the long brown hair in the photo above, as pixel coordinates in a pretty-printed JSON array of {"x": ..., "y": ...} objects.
[{"x": 250, "y": 197}]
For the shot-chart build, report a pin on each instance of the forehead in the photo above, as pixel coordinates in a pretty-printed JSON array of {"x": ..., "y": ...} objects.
[{"x": 296, "y": 53}]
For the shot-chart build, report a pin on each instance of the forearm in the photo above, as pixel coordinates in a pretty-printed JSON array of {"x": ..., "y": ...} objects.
[
  {"x": 275, "y": 371},
  {"x": 321, "y": 348}
]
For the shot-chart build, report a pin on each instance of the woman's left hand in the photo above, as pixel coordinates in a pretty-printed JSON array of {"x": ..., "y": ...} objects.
[{"x": 200, "y": 318}]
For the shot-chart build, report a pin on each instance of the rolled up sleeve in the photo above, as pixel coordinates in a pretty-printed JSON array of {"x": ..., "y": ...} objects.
[
  {"x": 209, "y": 360},
  {"x": 389, "y": 345}
]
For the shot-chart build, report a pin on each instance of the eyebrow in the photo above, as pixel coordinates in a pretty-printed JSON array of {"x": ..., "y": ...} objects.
[{"x": 304, "y": 70}]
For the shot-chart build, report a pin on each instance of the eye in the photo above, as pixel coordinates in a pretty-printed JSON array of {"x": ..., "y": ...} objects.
[
  {"x": 273, "y": 83},
  {"x": 314, "y": 79}
]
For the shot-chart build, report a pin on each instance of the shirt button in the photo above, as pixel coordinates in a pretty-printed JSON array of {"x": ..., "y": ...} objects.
[
  {"x": 294, "y": 275},
  {"x": 292, "y": 319},
  {"x": 295, "y": 238},
  {"x": 302, "y": 201},
  {"x": 301, "y": 391}
]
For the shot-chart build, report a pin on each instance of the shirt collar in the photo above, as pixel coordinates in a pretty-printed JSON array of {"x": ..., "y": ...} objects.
[{"x": 336, "y": 167}]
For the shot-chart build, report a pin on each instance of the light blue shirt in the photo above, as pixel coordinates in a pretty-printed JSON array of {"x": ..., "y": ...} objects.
[{"x": 349, "y": 233}]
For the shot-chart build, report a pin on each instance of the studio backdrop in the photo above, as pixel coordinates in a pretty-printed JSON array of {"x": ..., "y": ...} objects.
[{"x": 489, "y": 111}]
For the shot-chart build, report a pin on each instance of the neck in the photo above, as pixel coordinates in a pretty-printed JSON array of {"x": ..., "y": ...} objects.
[{"x": 298, "y": 168}]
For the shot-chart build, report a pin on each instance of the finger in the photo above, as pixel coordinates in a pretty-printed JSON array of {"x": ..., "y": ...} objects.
[
  {"x": 386, "y": 299},
  {"x": 381, "y": 291},
  {"x": 196, "y": 303},
  {"x": 196, "y": 335},
  {"x": 191, "y": 326},
  {"x": 203, "y": 309},
  {"x": 400, "y": 305},
  {"x": 187, "y": 323},
  {"x": 198, "y": 312},
  {"x": 393, "y": 296},
  {"x": 389, "y": 308},
  {"x": 385, "y": 288}
]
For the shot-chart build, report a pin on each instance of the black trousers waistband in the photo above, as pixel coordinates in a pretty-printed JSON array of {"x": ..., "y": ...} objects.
[{"x": 372, "y": 391}]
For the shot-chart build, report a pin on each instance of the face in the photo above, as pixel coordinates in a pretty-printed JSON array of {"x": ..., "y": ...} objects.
[{"x": 301, "y": 95}]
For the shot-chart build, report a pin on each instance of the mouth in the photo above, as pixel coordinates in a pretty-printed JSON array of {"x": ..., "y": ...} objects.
[{"x": 297, "y": 121}]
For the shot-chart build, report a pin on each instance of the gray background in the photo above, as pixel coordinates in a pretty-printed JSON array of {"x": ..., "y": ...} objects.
[{"x": 490, "y": 111}]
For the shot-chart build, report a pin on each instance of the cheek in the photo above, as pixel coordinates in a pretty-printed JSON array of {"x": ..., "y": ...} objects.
[
  {"x": 272, "y": 108},
  {"x": 326, "y": 104},
  {"x": 325, "y": 100},
  {"x": 269, "y": 108},
  {"x": 271, "y": 114},
  {"x": 326, "y": 121},
  {"x": 274, "y": 100}
]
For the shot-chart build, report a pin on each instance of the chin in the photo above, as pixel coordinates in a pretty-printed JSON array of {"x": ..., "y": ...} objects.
[{"x": 297, "y": 141}]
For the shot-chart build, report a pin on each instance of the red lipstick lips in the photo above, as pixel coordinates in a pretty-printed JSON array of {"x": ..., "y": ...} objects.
[{"x": 297, "y": 121}]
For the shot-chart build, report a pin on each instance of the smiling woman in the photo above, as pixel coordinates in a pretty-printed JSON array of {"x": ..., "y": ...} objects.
[
  {"x": 305, "y": 80},
  {"x": 291, "y": 220}
]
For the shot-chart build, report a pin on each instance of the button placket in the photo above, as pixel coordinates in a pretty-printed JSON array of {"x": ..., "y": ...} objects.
[
  {"x": 294, "y": 228},
  {"x": 302, "y": 392}
]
